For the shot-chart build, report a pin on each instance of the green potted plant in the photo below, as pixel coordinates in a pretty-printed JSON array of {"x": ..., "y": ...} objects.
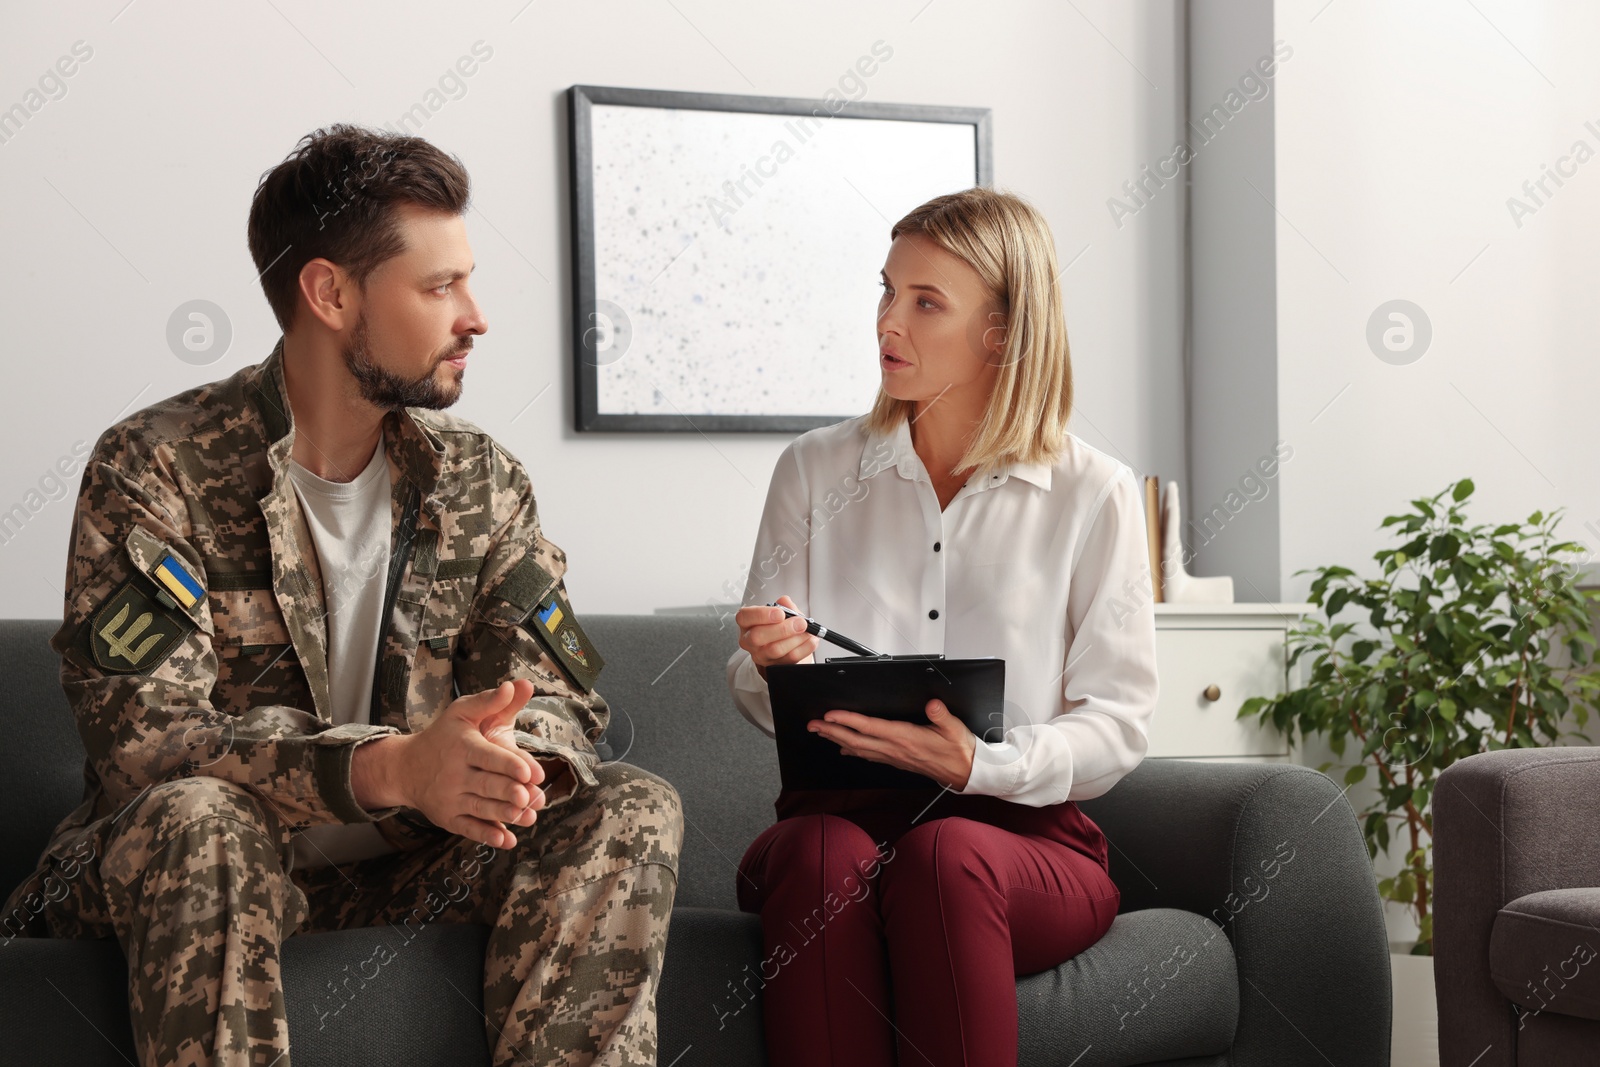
[{"x": 1450, "y": 653}]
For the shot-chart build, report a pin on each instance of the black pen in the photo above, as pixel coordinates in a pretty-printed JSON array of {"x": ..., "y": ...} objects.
[{"x": 816, "y": 628}]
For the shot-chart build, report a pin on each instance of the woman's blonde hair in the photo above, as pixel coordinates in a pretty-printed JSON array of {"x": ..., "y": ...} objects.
[{"x": 1007, "y": 241}]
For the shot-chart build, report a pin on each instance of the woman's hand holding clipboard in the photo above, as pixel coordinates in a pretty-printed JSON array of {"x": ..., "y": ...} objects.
[
  {"x": 885, "y": 729},
  {"x": 941, "y": 751}
]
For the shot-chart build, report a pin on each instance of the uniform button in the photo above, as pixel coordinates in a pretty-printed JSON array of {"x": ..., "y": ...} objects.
[
  {"x": 934, "y": 614},
  {"x": 936, "y": 546}
]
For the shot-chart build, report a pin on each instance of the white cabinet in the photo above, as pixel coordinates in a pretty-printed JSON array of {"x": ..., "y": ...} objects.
[{"x": 1211, "y": 659}]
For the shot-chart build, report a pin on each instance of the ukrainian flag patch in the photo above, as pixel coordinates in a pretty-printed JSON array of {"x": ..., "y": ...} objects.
[
  {"x": 177, "y": 581},
  {"x": 550, "y": 614},
  {"x": 568, "y": 645}
]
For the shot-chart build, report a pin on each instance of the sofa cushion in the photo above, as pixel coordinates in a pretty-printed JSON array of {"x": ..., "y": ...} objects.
[
  {"x": 1542, "y": 951},
  {"x": 710, "y": 997},
  {"x": 382, "y": 994},
  {"x": 347, "y": 1003},
  {"x": 65, "y": 1002},
  {"x": 671, "y": 714},
  {"x": 41, "y": 766},
  {"x": 1161, "y": 984}
]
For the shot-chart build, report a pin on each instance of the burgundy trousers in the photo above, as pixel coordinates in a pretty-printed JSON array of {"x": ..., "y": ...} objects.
[{"x": 896, "y": 921}]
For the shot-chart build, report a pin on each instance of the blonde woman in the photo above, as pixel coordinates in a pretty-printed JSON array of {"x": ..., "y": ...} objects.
[{"x": 958, "y": 516}]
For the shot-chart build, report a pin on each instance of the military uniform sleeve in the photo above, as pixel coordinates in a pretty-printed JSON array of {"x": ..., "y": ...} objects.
[
  {"x": 138, "y": 666},
  {"x": 523, "y": 626}
]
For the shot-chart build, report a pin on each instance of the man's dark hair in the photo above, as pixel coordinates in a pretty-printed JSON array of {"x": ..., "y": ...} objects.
[{"x": 335, "y": 197}]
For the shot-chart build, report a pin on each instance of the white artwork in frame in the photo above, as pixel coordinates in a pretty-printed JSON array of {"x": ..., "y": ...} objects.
[{"x": 726, "y": 250}]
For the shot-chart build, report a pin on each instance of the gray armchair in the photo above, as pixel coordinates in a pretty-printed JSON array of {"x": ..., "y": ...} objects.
[
  {"x": 1251, "y": 932},
  {"x": 1516, "y": 908}
]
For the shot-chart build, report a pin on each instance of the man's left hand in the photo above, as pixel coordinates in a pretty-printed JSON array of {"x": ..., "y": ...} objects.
[{"x": 941, "y": 750}]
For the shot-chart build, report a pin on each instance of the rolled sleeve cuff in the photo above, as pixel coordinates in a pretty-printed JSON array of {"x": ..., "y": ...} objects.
[
  {"x": 331, "y": 767},
  {"x": 579, "y": 764},
  {"x": 559, "y": 784}
]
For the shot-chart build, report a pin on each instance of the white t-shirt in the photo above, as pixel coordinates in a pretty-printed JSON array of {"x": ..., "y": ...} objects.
[
  {"x": 350, "y": 523},
  {"x": 1044, "y": 566}
]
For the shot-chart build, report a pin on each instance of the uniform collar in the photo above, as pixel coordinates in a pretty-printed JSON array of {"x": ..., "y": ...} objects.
[
  {"x": 416, "y": 450},
  {"x": 883, "y": 451}
]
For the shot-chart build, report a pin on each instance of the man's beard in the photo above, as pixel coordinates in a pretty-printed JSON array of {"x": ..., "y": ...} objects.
[{"x": 387, "y": 390}]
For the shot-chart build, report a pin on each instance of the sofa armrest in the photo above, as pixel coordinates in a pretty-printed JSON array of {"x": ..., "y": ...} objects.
[
  {"x": 1272, "y": 853},
  {"x": 1505, "y": 824}
]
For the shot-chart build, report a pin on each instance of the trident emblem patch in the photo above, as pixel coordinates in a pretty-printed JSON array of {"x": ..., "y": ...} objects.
[
  {"x": 132, "y": 631},
  {"x": 119, "y": 643}
]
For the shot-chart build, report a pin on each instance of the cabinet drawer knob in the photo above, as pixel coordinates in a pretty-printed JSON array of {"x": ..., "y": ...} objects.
[{"x": 1212, "y": 693}]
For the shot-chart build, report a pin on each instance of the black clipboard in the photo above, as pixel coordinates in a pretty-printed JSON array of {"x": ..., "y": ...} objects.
[{"x": 887, "y": 687}]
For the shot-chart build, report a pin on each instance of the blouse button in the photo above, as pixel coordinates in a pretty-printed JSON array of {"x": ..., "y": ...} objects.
[
  {"x": 934, "y": 614},
  {"x": 936, "y": 546}
]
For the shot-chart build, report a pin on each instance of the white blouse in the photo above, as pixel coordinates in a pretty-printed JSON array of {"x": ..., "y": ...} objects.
[{"x": 1044, "y": 566}]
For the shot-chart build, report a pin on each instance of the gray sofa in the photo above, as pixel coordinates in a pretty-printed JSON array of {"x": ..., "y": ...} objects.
[
  {"x": 1516, "y": 908},
  {"x": 1250, "y": 935}
]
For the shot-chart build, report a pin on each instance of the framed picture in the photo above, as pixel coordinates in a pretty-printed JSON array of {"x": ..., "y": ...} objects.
[{"x": 726, "y": 250}]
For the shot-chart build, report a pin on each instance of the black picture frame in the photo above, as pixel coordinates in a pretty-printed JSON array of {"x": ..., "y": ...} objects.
[{"x": 587, "y": 312}]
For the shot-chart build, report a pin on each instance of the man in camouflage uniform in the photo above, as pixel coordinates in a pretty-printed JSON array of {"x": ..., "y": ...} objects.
[{"x": 194, "y": 651}]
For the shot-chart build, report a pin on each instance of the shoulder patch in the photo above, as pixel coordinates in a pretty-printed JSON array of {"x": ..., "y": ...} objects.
[
  {"x": 175, "y": 582},
  {"x": 525, "y": 584},
  {"x": 133, "y": 632},
  {"x": 554, "y": 624}
]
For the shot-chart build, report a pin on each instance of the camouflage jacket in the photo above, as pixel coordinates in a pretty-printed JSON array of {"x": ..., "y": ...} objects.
[{"x": 194, "y": 641}]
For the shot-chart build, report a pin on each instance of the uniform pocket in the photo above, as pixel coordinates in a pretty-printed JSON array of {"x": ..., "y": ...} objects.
[
  {"x": 256, "y": 661},
  {"x": 247, "y": 622},
  {"x": 449, "y": 604}
]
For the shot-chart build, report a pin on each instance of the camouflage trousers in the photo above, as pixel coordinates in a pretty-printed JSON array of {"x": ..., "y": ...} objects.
[{"x": 191, "y": 880}]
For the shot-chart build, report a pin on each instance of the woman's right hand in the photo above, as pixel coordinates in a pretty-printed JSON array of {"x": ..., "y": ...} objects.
[{"x": 771, "y": 637}]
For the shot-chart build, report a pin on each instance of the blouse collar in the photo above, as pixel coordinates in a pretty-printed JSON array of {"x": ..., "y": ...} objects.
[{"x": 904, "y": 459}]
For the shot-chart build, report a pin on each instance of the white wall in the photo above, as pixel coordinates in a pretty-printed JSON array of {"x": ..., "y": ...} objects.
[
  {"x": 128, "y": 195},
  {"x": 1402, "y": 131}
]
